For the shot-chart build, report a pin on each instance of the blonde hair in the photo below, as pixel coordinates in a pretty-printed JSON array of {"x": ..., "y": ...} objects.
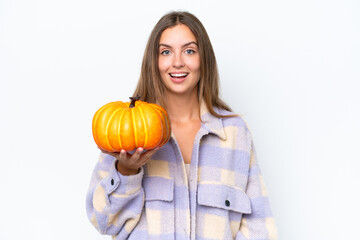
[{"x": 150, "y": 87}]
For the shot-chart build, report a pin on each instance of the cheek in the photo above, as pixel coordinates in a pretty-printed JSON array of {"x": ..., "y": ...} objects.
[
  {"x": 194, "y": 64},
  {"x": 163, "y": 65}
]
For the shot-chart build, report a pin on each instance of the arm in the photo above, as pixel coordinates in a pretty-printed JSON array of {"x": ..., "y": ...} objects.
[
  {"x": 114, "y": 202},
  {"x": 260, "y": 224}
]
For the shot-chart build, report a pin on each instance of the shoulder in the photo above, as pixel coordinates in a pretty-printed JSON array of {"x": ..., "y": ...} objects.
[
  {"x": 236, "y": 129},
  {"x": 232, "y": 119}
]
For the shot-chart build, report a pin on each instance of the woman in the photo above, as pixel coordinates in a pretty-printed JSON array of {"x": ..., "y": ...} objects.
[{"x": 205, "y": 182}]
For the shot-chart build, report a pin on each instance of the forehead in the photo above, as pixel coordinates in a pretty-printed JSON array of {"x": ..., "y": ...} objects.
[{"x": 177, "y": 35}]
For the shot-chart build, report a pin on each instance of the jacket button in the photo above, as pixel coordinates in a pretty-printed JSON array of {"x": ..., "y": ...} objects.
[
  {"x": 112, "y": 182},
  {"x": 227, "y": 203}
]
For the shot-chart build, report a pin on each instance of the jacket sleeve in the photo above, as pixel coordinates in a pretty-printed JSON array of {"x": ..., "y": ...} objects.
[
  {"x": 259, "y": 224},
  {"x": 114, "y": 202}
]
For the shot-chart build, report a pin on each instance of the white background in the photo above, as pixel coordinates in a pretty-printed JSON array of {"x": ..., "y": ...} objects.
[{"x": 290, "y": 67}]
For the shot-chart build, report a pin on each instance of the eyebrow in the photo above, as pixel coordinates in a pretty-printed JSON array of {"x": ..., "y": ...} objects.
[{"x": 184, "y": 45}]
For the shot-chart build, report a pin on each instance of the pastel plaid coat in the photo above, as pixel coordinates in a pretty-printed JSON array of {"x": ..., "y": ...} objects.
[{"x": 224, "y": 197}]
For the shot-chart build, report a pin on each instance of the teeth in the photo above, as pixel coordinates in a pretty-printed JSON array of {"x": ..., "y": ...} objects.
[{"x": 178, "y": 74}]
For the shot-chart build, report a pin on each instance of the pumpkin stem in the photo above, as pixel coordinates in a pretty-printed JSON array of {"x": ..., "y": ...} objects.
[{"x": 133, "y": 100}]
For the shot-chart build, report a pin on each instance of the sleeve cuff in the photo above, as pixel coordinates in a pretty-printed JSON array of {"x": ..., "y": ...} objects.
[{"x": 120, "y": 184}]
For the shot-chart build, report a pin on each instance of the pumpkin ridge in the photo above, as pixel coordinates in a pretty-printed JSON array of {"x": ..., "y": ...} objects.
[
  {"x": 107, "y": 128},
  {"x": 119, "y": 131},
  {"x": 168, "y": 128},
  {"x": 95, "y": 121},
  {"x": 134, "y": 127},
  {"x": 165, "y": 118},
  {"x": 162, "y": 127},
  {"x": 158, "y": 111},
  {"x": 145, "y": 126}
]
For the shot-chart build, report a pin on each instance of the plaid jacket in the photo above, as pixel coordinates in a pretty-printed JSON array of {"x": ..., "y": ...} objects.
[{"x": 224, "y": 198}]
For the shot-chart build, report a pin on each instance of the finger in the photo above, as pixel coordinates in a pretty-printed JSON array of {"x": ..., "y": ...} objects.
[
  {"x": 137, "y": 154},
  {"x": 122, "y": 155},
  {"x": 143, "y": 161},
  {"x": 147, "y": 156},
  {"x": 151, "y": 152}
]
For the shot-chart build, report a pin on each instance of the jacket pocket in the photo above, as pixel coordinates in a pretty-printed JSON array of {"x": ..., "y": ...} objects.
[
  {"x": 159, "y": 207},
  {"x": 158, "y": 188},
  {"x": 223, "y": 197}
]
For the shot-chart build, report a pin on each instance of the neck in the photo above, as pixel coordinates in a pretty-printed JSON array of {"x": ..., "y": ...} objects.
[{"x": 183, "y": 108}]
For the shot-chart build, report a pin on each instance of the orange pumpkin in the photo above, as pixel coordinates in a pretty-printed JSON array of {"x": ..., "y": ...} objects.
[{"x": 124, "y": 125}]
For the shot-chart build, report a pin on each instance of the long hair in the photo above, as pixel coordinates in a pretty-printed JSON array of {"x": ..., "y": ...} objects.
[{"x": 151, "y": 88}]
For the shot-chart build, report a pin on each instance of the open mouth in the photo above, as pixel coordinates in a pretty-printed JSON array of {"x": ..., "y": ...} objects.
[{"x": 178, "y": 75}]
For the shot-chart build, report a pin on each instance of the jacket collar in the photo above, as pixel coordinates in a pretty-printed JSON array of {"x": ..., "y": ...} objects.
[{"x": 211, "y": 123}]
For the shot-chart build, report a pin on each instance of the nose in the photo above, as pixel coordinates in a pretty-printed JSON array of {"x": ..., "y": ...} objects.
[{"x": 178, "y": 60}]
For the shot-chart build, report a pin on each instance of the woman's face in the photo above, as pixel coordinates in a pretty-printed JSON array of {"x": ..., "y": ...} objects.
[{"x": 179, "y": 60}]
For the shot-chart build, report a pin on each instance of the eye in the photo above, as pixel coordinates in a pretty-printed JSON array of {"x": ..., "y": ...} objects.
[
  {"x": 189, "y": 51},
  {"x": 165, "y": 52}
]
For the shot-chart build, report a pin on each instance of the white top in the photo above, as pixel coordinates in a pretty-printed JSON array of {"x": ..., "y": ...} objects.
[{"x": 187, "y": 168}]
